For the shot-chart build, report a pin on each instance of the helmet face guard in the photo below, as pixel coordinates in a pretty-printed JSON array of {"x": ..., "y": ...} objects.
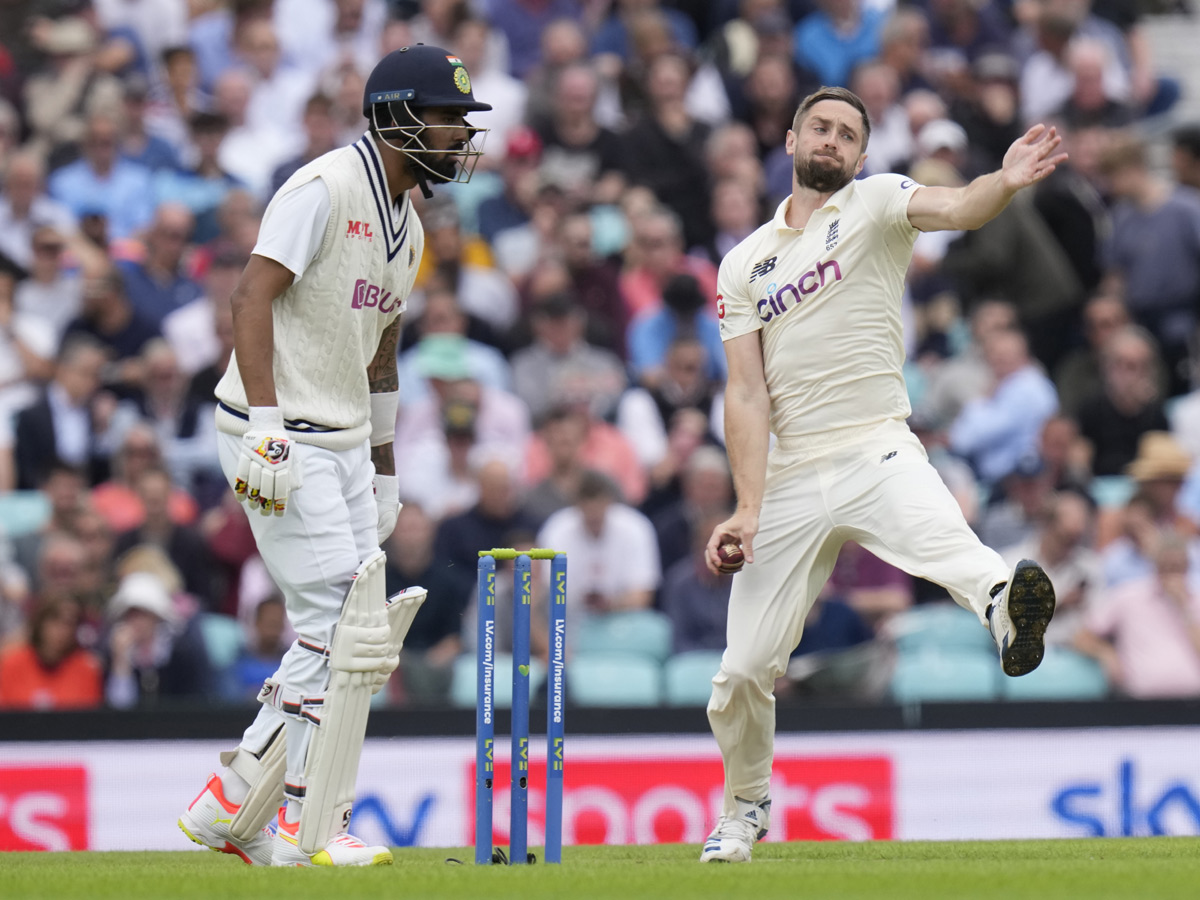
[{"x": 398, "y": 125}]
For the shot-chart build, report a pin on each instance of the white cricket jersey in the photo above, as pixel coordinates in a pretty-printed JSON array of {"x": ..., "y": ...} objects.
[{"x": 827, "y": 301}]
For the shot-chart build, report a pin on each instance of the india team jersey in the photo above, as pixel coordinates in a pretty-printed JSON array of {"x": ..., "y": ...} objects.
[{"x": 827, "y": 301}]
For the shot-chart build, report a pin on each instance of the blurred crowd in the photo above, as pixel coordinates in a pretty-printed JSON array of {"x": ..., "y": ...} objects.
[{"x": 561, "y": 371}]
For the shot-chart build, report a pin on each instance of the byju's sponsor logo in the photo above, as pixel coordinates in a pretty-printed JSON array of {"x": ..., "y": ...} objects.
[
  {"x": 372, "y": 296},
  {"x": 781, "y": 298}
]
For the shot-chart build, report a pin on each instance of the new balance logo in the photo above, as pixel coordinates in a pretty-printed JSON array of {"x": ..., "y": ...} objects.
[
  {"x": 361, "y": 230},
  {"x": 888, "y": 456},
  {"x": 763, "y": 267}
]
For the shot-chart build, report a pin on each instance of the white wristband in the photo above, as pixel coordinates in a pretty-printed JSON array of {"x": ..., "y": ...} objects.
[
  {"x": 267, "y": 418},
  {"x": 384, "y": 409}
]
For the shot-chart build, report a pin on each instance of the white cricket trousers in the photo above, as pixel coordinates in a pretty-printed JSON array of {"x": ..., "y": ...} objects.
[
  {"x": 880, "y": 491},
  {"x": 311, "y": 552}
]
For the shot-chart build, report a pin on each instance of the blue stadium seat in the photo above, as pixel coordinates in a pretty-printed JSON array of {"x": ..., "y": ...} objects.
[
  {"x": 1110, "y": 491},
  {"x": 614, "y": 679},
  {"x": 1063, "y": 675},
  {"x": 23, "y": 512},
  {"x": 931, "y": 675},
  {"x": 940, "y": 626},
  {"x": 223, "y": 639},
  {"x": 687, "y": 677},
  {"x": 641, "y": 631},
  {"x": 463, "y": 680}
]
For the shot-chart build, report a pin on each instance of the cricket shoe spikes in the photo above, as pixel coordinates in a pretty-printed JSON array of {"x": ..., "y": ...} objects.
[
  {"x": 207, "y": 822},
  {"x": 735, "y": 836},
  {"x": 1018, "y": 619},
  {"x": 342, "y": 850}
]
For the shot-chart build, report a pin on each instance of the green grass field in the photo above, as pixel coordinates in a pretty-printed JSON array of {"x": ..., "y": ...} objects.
[{"x": 1146, "y": 868}]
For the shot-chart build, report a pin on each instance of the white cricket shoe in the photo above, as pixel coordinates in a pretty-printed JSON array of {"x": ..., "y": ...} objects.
[
  {"x": 207, "y": 823},
  {"x": 1019, "y": 618},
  {"x": 734, "y": 836},
  {"x": 342, "y": 850}
]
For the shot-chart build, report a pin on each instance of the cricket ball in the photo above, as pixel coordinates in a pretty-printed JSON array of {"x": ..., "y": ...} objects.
[{"x": 731, "y": 557}]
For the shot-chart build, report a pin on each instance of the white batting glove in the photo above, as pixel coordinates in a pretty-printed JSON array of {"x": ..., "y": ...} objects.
[
  {"x": 263, "y": 475},
  {"x": 387, "y": 503}
]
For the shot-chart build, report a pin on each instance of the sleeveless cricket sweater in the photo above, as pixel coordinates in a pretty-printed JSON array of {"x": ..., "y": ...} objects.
[{"x": 329, "y": 322}]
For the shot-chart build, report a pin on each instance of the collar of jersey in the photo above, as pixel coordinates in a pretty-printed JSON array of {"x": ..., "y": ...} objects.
[
  {"x": 394, "y": 234},
  {"x": 836, "y": 201}
]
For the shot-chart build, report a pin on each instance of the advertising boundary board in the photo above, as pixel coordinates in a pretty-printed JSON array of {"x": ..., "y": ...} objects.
[{"x": 914, "y": 785}]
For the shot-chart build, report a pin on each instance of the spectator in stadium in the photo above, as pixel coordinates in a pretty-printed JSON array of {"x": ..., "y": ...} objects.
[
  {"x": 152, "y": 657},
  {"x": 137, "y": 143},
  {"x": 61, "y": 95},
  {"x": 117, "y": 499},
  {"x": 1146, "y": 633},
  {"x": 654, "y": 255},
  {"x": 995, "y": 431},
  {"x": 50, "y": 670},
  {"x": 251, "y": 148},
  {"x": 1078, "y": 376},
  {"x": 1185, "y": 156},
  {"x": 108, "y": 318},
  {"x": 519, "y": 175},
  {"x": 183, "y": 544},
  {"x": 103, "y": 183},
  {"x": 595, "y": 283},
  {"x": 525, "y": 24},
  {"x": 478, "y": 47},
  {"x": 433, "y": 641},
  {"x": 1155, "y": 251},
  {"x": 25, "y": 207},
  {"x": 196, "y": 332},
  {"x": 278, "y": 91},
  {"x": 705, "y": 491},
  {"x": 596, "y": 530},
  {"x": 157, "y": 284},
  {"x": 683, "y": 313},
  {"x": 61, "y": 572},
  {"x": 663, "y": 149},
  {"x": 1061, "y": 544},
  {"x": 1072, "y": 208},
  {"x": 770, "y": 92},
  {"x": 579, "y": 155},
  {"x": 320, "y": 138},
  {"x": 495, "y": 516},
  {"x": 27, "y": 347},
  {"x": 177, "y": 99},
  {"x": 694, "y": 599},
  {"x": 735, "y": 213},
  {"x": 69, "y": 420},
  {"x": 1129, "y": 403},
  {"x": 836, "y": 37},
  {"x": 441, "y": 315},
  {"x": 51, "y": 292},
  {"x": 1090, "y": 104},
  {"x": 259, "y": 657},
  {"x": 563, "y": 433},
  {"x": 64, "y": 488},
  {"x": 890, "y": 146},
  {"x": 903, "y": 45},
  {"x": 964, "y": 29},
  {"x": 605, "y": 449},
  {"x": 990, "y": 110},
  {"x": 203, "y": 186},
  {"x": 560, "y": 361}
]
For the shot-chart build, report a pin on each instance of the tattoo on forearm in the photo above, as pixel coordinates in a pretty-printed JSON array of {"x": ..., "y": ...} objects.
[
  {"x": 381, "y": 371},
  {"x": 383, "y": 459}
]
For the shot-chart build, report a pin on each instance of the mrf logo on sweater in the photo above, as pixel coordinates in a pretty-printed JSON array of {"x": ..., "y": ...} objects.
[
  {"x": 781, "y": 298},
  {"x": 372, "y": 296}
]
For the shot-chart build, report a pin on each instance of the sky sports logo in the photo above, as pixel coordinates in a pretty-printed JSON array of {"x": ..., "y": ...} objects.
[
  {"x": 782, "y": 298},
  {"x": 372, "y": 296}
]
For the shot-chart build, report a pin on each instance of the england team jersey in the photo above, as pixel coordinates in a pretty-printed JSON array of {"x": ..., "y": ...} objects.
[{"x": 827, "y": 301}]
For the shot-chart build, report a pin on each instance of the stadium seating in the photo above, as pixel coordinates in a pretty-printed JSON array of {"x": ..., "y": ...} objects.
[
  {"x": 1063, "y": 675},
  {"x": 687, "y": 677},
  {"x": 943, "y": 626},
  {"x": 463, "y": 681},
  {"x": 23, "y": 512},
  {"x": 223, "y": 639},
  {"x": 613, "y": 679},
  {"x": 930, "y": 675},
  {"x": 642, "y": 632}
]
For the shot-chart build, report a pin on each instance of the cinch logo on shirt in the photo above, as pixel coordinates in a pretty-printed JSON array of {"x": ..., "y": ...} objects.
[
  {"x": 776, "y": 303},
  {"x": 360, "y": 230},
  {"x": 368, "y": 296}
]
